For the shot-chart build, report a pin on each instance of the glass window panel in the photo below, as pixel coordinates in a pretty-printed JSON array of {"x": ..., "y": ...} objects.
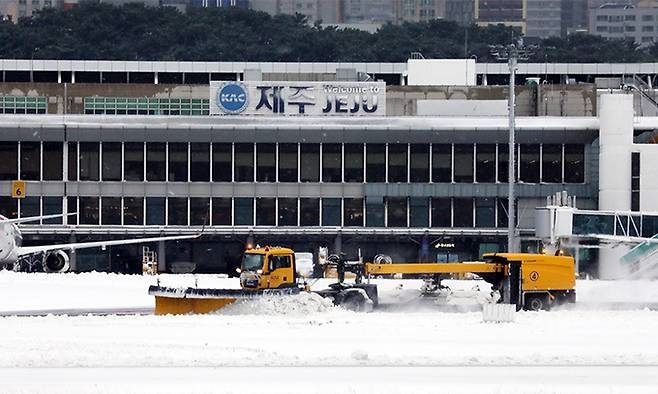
[
  {"x": 649, "y": 226},
  {"x": 200, "y": 162},
  {"x": 155, "y": 161},
  {"x": 155, "y": 211},
  {"x": 397, "y": 212},
  {"x": 485, "y": 163},
  {"x": 397, "y": 162},
  {"x": 111, "y": 210},
  {"x": 133, "y": 211},
  {"x": 375, "y": 212},
  {"x": 287, "y": 162},
  {"x": 72, "y": 207},
  {"x": 222, "y": 162},
  {"x": 265, "y": 211},
  {"x": 485, "y": 212},
  {"x": 88, "y": 210},
  {"x": 177, "y": 162},
  {"x": 199, "y": 211},
  {"x": 111, "y": 161},
  {"x": 177, "y": 211},
  {"x": 375, "y": 163},
  {"x": 463, "y": 212},
  {"x": 287, "y": 212},
  {"x": 332, "y": 158},
  {"x": 331, "y": 212},
  {"x": 53, "y": 206},
  {"x": 265, "y": 163},
  {"x": 353, "y": 212},
  {"x": 441, "y": 163},
  {"x": 441, "y": 212},
  {"x": 9, "y": 162},
  {"x": 593, "y": 224},
  {"x": 529, "y": 164},
  {"x": 222, "y": 212},
  {"x": 133, "y": 161},
  {"x": 463, "y": 163},
  {"x": 353, "y": 163},
  {"x": 574, "y": 163},
  {"x": 53, "y": 159},
  {"x": 30, "y": 161},
  {"x": 30, "y": 206},
  {"x": 73, "y": 161},
  {"x": 503, "y": 163},
  {"x": 551, "y": 163},
  {"x": 244, "y": 163},
  {"x": 309, "y": 211},
  {"x": 89, "y": 161},
  {"x": 420, "y": 163},
  {"x": 309, "y": 162},
  {"x": 8, "y": 207},
  {"x": 244, "y": 211},
  {"x": 419, "y": 212}
]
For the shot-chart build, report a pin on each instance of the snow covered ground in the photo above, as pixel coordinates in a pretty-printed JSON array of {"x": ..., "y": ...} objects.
[{"x": 298, "y": 342}]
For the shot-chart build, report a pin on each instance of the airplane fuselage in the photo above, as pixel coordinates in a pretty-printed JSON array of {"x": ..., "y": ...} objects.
[{"x": 10, "y": 240}]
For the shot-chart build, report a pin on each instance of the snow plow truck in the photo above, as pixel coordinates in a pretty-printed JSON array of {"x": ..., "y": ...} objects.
[{"x": 529, "y": 281}]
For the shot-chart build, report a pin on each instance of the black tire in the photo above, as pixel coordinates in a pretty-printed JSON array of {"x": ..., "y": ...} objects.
[
  {"x": 536, "y": 302},
  {"x": 354, "y": 301}
]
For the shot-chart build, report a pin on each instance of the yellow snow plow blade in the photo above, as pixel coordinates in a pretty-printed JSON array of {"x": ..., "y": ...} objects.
[
  {"x": 182, "y": 306},
  {"x": 175, "y": 301}
]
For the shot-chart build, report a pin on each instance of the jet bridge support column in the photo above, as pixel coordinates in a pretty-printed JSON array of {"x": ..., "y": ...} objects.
[{"x": 615, "y": 140}]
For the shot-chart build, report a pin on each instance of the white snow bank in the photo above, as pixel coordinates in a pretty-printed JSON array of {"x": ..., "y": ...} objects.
[{"x": 296, "y": 305}]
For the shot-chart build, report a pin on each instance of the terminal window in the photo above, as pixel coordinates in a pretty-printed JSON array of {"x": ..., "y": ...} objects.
[{"x": 22, "y": 105}]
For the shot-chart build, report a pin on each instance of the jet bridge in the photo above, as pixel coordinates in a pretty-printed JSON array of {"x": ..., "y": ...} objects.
[{"x": 560, "y": 224}]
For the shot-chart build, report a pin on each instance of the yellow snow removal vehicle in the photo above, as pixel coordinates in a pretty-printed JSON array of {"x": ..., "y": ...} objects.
[{"x": 530, "y": 281}]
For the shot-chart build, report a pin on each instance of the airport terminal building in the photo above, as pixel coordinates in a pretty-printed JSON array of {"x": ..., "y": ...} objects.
[{"x": 264, "y": 154}]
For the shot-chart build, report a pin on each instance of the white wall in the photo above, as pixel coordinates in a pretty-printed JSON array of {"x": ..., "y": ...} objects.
[
  {"x": 616, "y": 143},
  {"x": 441, "y": 72},
  {"x": 461, "y": 107}
]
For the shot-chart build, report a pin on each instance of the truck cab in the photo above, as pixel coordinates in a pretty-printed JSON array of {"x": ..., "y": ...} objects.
[{"x": 268, "y": 268}]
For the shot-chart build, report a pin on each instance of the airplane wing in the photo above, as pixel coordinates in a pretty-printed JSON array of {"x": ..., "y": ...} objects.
[
  {"x": 4, "y": 220},
  {"x": 27, "y": 250}
]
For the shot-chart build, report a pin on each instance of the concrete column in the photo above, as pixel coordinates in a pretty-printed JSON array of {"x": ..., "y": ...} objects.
[
  {"x": 615, "y": 141},
  {"x": 73, "y": 260},
  {"x": 484, "y": 80},
  {"x": 155, "y": 78},
  {"x": 162, "y": 256},
  {"x": 72, "y": 76},
  {"x": 59, "y": 77}
]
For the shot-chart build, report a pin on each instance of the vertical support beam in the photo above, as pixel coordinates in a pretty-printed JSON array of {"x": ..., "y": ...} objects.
[
  {"x": 73, "y": 259},
  {"x": 512, "y": 246},
  {"x": 162, "y": 256}
]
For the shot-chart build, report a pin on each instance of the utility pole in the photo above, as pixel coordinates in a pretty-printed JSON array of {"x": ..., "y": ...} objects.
[{"x": 512, "y": 53}]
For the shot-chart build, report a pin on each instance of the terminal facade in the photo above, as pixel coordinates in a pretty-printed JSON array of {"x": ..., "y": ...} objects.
[{"x": 417, "y": 188}]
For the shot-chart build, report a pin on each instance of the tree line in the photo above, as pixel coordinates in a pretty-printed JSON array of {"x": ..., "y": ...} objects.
[{"x": 96, "y": 30}]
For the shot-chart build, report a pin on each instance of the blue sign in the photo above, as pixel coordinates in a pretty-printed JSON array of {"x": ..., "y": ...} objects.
[{"x": 232, "y": 98}]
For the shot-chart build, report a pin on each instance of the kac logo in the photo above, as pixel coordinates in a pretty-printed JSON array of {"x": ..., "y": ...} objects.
[{"x": 232, "y": 97}]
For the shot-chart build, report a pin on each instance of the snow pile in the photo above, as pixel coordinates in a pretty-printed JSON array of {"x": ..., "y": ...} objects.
[{"x": 299, "y": 304}]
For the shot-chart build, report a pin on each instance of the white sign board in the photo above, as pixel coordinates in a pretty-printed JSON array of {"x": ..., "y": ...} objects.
[{"x": 298, "y": 98}]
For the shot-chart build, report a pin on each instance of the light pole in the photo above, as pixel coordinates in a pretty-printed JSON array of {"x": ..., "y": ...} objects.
[{"x": 512, "y": 53}]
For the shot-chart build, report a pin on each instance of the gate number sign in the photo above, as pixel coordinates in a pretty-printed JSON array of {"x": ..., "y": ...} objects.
[{"x": 18, "y": 189}]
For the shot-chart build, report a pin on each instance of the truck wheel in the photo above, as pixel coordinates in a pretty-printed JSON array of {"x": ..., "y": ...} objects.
[
  {"x": 354, "y": 301},
  {"x": 536, "y": 302}
]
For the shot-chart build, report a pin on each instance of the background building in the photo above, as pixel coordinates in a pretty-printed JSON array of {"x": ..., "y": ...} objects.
[
  {"x": 506, "y": 12},
  {"x": 621, "y": 20},
  {"x": 15, "y": 9},
  {"x": 544, "y": 18}
]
